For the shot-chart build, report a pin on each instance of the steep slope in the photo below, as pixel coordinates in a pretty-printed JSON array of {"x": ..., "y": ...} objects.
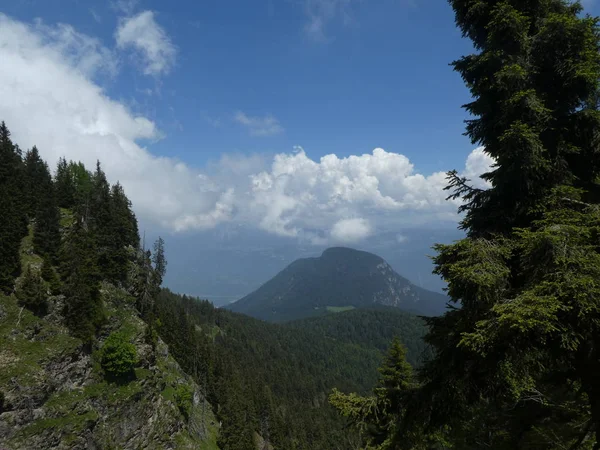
[
  {"x": 372, "y": 329},
  {"x": 54, "y": 394},
  {"x": 340, "y": 277},
  {"x": 274, "y": 379}
]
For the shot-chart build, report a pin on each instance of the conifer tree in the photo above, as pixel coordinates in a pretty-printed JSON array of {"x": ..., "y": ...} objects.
[
  {"x": 13, "y": 219},
  {"x": 79, "y": 272},
  {"x": 50, "y": 276},
  {"x": 46, "y": 236},
  {"x": 36, "y": 180},
  {"x": 160, "y": 262},
  {"x": 31, "y": 292},
  {"x": 526, "y": 339},
  {"x": 64, "y": 185}
]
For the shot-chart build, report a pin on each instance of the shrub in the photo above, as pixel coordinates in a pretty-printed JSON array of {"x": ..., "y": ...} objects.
[
  {"x": 119, "y": 356},
  {"x": 183, "y": 399},
  {"x": 31, "y": 292}
]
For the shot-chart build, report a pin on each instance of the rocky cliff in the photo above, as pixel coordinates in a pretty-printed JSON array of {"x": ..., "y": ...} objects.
[{"x": 54, "y": 392}]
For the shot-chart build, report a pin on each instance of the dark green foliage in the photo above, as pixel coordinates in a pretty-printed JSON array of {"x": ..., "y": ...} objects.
[
  {"x": 36, "y": 177},
  {"x": 31, "y": 292},
  {"x": 513, "y": 365},
  {"x": 44, "y": 209},
  {"x": 64, "y": 185},
  {"x": 339, "y": 277},
  {"x": 50, "y": 276},
  {"x": 183, "y": 398},
  {"x": 13, "y": 217},
  {"x": 274, "y": 379},
  {"x": 119, "y": 356},
  {"x": 159, "y": 260},
  {"x": 379, "y": 417},
  {"x": 80, "y": 275},
  {"x": 372, "y": 328}
]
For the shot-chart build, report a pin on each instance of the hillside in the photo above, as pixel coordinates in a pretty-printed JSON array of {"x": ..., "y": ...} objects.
[
  {"x": 81, "y": 363},
  {"x": 340, "y": 277},
  {"x": 370, "y": 328},
  {"x": 274, "y": 379},
  {"x": 55, "y": 393}
]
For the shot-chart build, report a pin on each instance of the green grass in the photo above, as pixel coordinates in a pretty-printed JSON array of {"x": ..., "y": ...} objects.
[
  {"x": 66, "y": 218},
  {"x": 27, "y": 255},
  {"x": 338, "y": 309},
  {"x": 70, "y": 423},
  {"x": 22, "y": 357}
]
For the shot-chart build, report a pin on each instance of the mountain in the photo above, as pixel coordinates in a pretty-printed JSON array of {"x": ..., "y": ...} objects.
[
  {"x": 231, "y": 261},
  {"x": 340, "y": 278}
]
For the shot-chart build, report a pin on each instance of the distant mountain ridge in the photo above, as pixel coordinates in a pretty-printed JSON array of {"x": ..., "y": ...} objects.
[{"x": 339, "y": 277}]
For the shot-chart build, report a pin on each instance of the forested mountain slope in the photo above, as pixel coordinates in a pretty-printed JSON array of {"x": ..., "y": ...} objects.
[
  {"x": 80, "y": 367},
  {"x": 274, "y": 379},
  {"x": 340, "y": 277},
  {"x": 370, "y": 328}
]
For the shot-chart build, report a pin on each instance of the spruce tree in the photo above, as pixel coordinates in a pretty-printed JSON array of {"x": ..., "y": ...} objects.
[
  {"x": 46, "y": 236},
  {"x": 13, "y": 218},
  {"x": 31, "y": 292},
  {"x": 64, "y": 185},
  {"x": 81, "y": 277},
  {"x": 36, "y": 180},
  {"x": 517, "y": 364},
  {"x": 160, "y": 262},
  {"x": 50, "y": 276}
]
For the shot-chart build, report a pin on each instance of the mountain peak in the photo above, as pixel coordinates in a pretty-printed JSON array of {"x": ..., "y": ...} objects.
[{"x": 341, "y": 277}]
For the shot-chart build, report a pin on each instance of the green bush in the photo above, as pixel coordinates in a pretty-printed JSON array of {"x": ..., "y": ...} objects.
[
  {"x": 119, "y": 356},
  {"x": 183, "y": 399},
  {"x": 31, "y": 292}
]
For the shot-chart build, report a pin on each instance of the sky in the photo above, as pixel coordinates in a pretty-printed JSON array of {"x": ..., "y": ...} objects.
[{"x": 324, "y": 122}]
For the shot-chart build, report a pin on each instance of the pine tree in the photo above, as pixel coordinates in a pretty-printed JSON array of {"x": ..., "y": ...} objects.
[
  {"x": 79, "y": 272},
  {"x": 46, "y": 236},
  {"x": 31, "y": 292},
  {"x": 13, "y": 219},
  {"x": 36, "y": 180},
  {"x": 50, "y": 276},
  {"x": 516, "y": 365},
  {"x": 64, "y": 184},
  {"x": 160, "y": 262}
]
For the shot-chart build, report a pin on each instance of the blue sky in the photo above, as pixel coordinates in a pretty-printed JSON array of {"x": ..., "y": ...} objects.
[
  {"x": 375, "y": 74},
  {"x": 311, "y": 122}
]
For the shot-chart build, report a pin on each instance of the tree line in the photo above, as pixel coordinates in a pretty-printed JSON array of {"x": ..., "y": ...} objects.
[{"x": 82, "y": 227}]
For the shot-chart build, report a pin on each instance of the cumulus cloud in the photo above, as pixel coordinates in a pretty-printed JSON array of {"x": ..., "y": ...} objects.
[
  {"x": 350, "y": 230},
  {"x": 478, "y": 163},
  {"x": 259, "y": 126},
  {"x": 149, "y": 40},
  {"x": 51, "y": 97},
  {"x": 50, "y": 100}
]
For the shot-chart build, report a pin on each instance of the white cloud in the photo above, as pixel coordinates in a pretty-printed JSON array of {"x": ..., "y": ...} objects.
[
  {"x": 81, "y": 52},
  {"x": 50, "y": 98},
  {"x": 350, "y": 230},
  {"x": 142, "y": 34},
  {"x": 478, "y": 163},
  {"x": 259, "y": 126}
]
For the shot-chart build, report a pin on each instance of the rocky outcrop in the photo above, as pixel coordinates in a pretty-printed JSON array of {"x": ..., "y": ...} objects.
[{"x": 57, "y": 396}]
